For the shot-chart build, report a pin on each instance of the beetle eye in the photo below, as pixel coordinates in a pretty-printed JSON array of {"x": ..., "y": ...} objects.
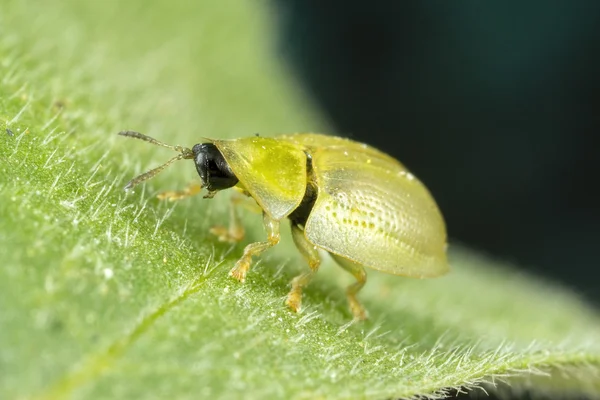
[{"x": 213, "y": 168}]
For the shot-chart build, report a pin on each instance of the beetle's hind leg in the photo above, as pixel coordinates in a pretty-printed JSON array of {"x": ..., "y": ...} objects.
[
  {"x": 173, "y": 195},
  {"x": 253, "y": 249},
  {"x": 359, "y": 273},
  {"x": 310, "y": 253}
]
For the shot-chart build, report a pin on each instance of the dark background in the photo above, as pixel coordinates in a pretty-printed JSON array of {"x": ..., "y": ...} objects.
[{"x": 494, "y": 105}]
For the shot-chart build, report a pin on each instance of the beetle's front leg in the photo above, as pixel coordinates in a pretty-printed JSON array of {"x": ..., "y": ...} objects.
[{"x": 243, "y": 265}]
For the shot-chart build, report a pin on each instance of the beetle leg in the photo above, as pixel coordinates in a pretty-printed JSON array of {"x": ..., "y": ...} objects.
[
  {"x": 242, "y": 198},
  {"x": 191, "y": 190},
  {"x": 253, "y": 249},
  {"x": 235, "y": 232},
  {"x": 358, "y": 271},
  {"x": 310, "y": 253}
]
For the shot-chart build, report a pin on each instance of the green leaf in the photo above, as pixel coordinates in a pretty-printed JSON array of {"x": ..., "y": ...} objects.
[{"x": 105, "y": 294}]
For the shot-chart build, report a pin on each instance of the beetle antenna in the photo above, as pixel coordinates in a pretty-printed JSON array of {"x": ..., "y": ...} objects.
[
  {"x": 153, "y": 172},
  {"x": 184, "y": 153},
  {"x": 145, "y": 138}
]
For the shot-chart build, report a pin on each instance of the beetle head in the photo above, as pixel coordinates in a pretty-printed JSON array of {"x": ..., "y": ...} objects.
[
  {"x": 210, "y": 164},
  {"x": 213, "y": 169}
]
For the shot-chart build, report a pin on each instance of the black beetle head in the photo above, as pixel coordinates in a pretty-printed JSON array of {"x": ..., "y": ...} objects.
[{"x": 213, "y": 169}]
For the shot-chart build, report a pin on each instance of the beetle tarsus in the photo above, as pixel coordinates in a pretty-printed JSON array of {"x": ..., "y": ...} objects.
[
  {"x": 294, "y": 300},
  {"x": 228, "y": 235},
  {"x": 310, "y": 253},
  {"x": 240, "y": 270},
  {"x": 191, "y": 190},
  {"x": 358, "y": 311},
  {"x": 253, "y": 249}
]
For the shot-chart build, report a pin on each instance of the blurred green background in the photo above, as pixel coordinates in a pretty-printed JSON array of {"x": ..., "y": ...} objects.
[{"x": 495, "y": 105}]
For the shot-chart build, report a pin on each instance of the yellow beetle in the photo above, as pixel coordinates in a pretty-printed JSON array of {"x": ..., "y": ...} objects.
[{"x": 357, "y": 203}]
